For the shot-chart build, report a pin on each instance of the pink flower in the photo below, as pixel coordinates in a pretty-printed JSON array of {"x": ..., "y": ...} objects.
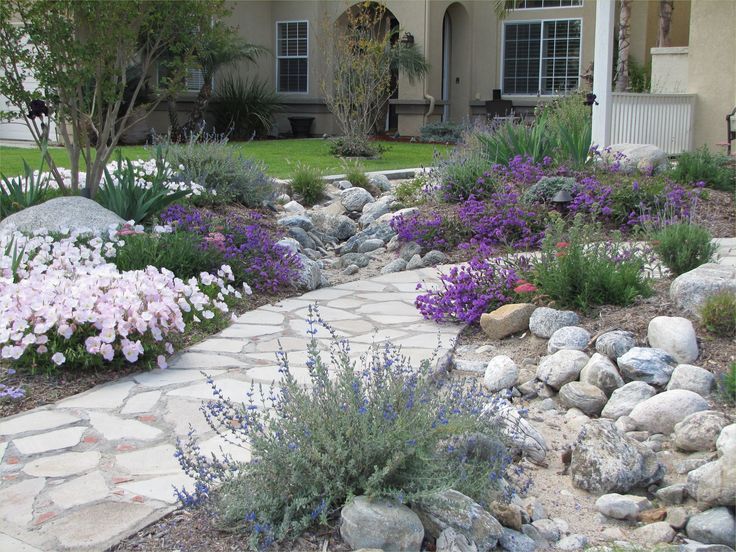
[
  {"x": 525, "y": 288},
  {"x": 161, "y": 361}
]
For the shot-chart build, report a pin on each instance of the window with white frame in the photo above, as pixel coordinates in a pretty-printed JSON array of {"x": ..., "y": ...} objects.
[
  {"x": 292, "y": 56},
  {"x": 194, "y": 80},
  {"x": 535, "y": 4},
  {"x": 541, "y": 57}
]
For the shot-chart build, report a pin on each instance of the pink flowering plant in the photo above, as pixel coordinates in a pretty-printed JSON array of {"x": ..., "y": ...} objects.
[{"x": 63, "y": 302}]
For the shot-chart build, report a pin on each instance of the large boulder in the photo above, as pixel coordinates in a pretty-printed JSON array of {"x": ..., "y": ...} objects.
[
  {"x": 690, "y": 290},
  {"x": 714, "y": 483},
  {"x": 568, "y": 337},
  {"x": 660, "y": 413},
  {"x": 545, "y": 321},
  {"x": 602, "y": 373},
  {"x": 633, "y": 158},
  {"x": 607, "y": 461},
  {"x": 700, "y": 431},
  {"x": 60, "y": 214},
  {"x": 652, "y": 366},
  {"x": 588, "y": 398},
  {"x": 692, "y": 378},
  {"x": 501, "y": 373},
  {"x": 309, "y": 276},
  {"x": 380, "y": 523},
  {"x": 506, "y": 320},
  {"x": 624, "y": 399},
  {"x": 615, "y": 344},
  {"x": 674, "y": 335},
  {"x": 453, "y": 509},
  {"x": 726, "y": 442},
  {"x": 714, "y": 526},
  {"x": 562, "y": 367},
  {"x": 354, "y": 199}
]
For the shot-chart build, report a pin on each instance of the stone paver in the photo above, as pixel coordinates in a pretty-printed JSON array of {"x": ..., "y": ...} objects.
[
  {"x": 63, "y": 465},
  {"x": 53, "y": 440},
  {"x": 36, "y": 421}
]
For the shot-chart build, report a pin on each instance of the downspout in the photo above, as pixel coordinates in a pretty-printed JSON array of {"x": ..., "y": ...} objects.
[{"x": 426, "y": 52}]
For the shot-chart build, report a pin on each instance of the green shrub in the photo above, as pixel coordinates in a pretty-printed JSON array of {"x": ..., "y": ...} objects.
[
  {"x": 412, "y": 192},
  {"x": 577, "y": 270},
  {"x": 727, "y": 384},
  {"x": 442, "y": 131},
  {"x": 717, "y": 171},
  {"x": 307, "y": 182},
  {"x": 511, "y": 139},
  {"x": 463, "y": 173},
  {"x": 383, "y": 429},
  {"x": 683, "y": 246},
  {"x": 570, "y": 121},
  {"x": 546, "y": 188},
  {"x": 632, "y": 196},
  {"x": 244, "y": 108},
  {"x": 180, "y": 252},
  {"x": 210, "y": 162},
  {"x": 23, "y": 191},
  {"x": 355, "y": 173},
  {"x": 718, "y": 314},
  {"x": 343, "y": 146},
  {"x": 640, "y": 77}
]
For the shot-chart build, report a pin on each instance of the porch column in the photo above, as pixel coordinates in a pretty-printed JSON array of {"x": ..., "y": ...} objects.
[{"x": 603, "y": 72}]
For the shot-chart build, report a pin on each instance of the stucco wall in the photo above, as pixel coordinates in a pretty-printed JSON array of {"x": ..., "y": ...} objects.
[
  {"x": 712, "y": 67},
  {"x": 670, "y": 70}
]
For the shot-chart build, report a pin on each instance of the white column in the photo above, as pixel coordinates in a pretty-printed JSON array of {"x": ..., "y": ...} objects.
[{"x": 603, "y": 71}]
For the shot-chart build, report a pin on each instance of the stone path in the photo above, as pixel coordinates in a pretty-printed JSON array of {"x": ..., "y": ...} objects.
[{"x": 84, "y": 473}]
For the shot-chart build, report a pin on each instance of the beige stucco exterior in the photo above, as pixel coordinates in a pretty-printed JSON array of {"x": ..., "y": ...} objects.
[{"x": 670, "y": 70}]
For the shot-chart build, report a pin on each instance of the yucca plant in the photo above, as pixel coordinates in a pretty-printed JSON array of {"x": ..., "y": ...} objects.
[
  {"x": 512, "y": 139},
  {"x": 245, "y": 108},
  {"x": 24, "y": 191}
]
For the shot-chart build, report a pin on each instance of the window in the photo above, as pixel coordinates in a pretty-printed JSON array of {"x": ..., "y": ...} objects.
[
  {"x": 292, "y": 49},
  {"x": 194, "y": 80},
  {"x": 541, "y": 57},
  {"x": 534, "y": 4}
]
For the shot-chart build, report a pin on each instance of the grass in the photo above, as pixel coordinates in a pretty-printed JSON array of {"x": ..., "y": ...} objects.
[{"x": 279, "y": 156}]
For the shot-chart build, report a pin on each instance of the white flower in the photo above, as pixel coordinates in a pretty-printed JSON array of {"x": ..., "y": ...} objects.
[{"x": 58, "y": 358}]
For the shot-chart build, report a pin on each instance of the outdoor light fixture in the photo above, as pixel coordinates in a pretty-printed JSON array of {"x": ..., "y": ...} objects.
[
  {"x": 590, "y": 99},
  {"x": 407, "y": 39},
  {"x": 561, "y": 200}
]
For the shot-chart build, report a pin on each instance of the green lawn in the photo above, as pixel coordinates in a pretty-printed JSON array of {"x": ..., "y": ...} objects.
[{"x": 279, "y": 156}]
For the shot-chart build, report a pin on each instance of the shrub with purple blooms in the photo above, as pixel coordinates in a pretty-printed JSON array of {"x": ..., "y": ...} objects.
[{"x": 383, "y": 429}]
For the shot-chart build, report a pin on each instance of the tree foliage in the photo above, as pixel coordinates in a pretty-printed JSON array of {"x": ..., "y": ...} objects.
[{"x": 93, "y": 62}]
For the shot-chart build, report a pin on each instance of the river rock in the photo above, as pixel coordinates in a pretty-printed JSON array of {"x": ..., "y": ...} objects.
[
  {"x": 674, "y": 335},
  {"x": 415, "y": 262},
  {"x": 700, "y": 431},
  {"x": 660, "y": 413},
  {"x": 354, "y": 199},
  {"x": 434, "y": 257},
  {"x": 506, "y": 320},
  {"x": 501, "y": 373},
  {"x": 354, "y": 259},
  {"x": 714, "y": 484},
  {"x": 624, "y": 399},
  {"x": 572, "y": 542},
  {"x": 605, "y": 460},
  {"x": 370, "y": 245},
  {"x": 654, "y": 533},
  {"x": 453, "y": 509},
  {"x": 602, "y": 373},
  {"x": 545, "y": 321},
  {"x": 726, "y": 443},
  {"x": 692, "y": 378},
  {"x": 562, "y": 367},
  {"x": 452, "y": 541},
  {"x": 296, "y": 221},
  {"x": 620, "y": 506},
  {"x": 568, "y": 337},
  {"x": 409, "y": 249},
  {"x": 525, "y": 440},
  {"x": 309, "y": 276},
  {"x": 672, "y": 494},
  {"x": 397, "y": 265},
  {"x": 614, "y": 344},
  {"x": 588, "y": 398},
  {"x": 514, "y": 541},
  {"x": 380, "y": 181},
  {"x": 690, "y": 290},
  {"x": 380, "y": 523},
  {"x": 633, "y": 158},
  {"x": 652, "y": 366},
  {"x": 714, "y": 526},
  {"x": 547, "y": 529}
]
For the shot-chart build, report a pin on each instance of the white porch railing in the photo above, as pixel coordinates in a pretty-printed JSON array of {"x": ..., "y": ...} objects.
[{"x": 664, "y": 120}]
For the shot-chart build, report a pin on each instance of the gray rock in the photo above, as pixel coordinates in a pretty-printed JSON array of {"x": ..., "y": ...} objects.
[
  {"x": 300, "y": 235},
  {"x": 568, "y": 337},
  {"x": 501, "y": 373},
  {"x": 619, "y": 506},
  {"x": 548, "y": 529},
  {"x": 309, "y": 276},
  {"x": 633, "y": 158},
  {"x": 690, "y": 290},
  {"x": 476, "y": 366},
  {"x": 692, "y": 378},
  {"x": 726, "y": 443},
  {"x": 672, "y": 494},
  {"x": 605, "y": 460},
  {"x": 690, "y": 464},
  {"x": 545, "y": 321},
  {"x": 62, "y": 213},
  {"x": 354, "y": 258},
  {"x": 535, "y": 509},
  {"x": 677, "y": 518},
  {"x": 434, "y": 257},
  {"x": 452, "y": 541},
  {"x": 372, "y": 211},
  {"x": 409, "y": 249},
  {"x": 354, "y": 199},
  {"x": 370, "y": 245},
  {"x": 341, "y": 227},
  {"x": 714, "y": 526},
  {"x": 624, "y": 399},
  {"x": 312, "y": 254},
  {"x": 453, "y": 509},
  {"x": 654, "y": 533},
  {"x": 414, "y": 263},
  {"x": 714, "y": 484},
  {"x": 572, "y": 542},
  {"x": 652, "y": 366},
  {"x": 530, "y": 531},
  {"x": 660, "y": 413},
  {"x": 298, "y": 221},
  {"x": 602, "y": 373},
  {"x": 513, "y": 541},
  {"x": 290, "y": 244},
  {"x": 380, "y": 523},
  {"x": 674, "y": 335},
  {"x": 380, "y": 181},
  {"x": 350, "y": 270},
  {"x": 626, "y": 425},
  {"x": 524, "y": 439},
  {"x": 588, "y": 398},
  {"x": 700, "y": 431},
  {"x": 614, "y": 344},
  {"x": 397, "y": 265},
  {"x": 695, "y": 546},
  {"x": 293, "y": 207},
  {"x": 562, "y": 367},
  {"x": 343, "y": 184}
]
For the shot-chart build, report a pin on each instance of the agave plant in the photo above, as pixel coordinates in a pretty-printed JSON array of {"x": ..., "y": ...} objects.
[
  {"x": 245, "y": 108},
  {"x": 22, "y": 191}
]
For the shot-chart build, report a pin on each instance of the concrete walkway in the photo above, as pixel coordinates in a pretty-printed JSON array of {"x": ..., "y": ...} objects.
[{"x": 88, "y": 471}]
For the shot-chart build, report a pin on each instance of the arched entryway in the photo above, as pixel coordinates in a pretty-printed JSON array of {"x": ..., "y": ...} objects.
[{"x": 456, "y": 60}]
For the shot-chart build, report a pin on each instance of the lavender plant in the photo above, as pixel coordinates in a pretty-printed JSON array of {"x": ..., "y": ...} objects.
[{"x": 383, "y": 428}]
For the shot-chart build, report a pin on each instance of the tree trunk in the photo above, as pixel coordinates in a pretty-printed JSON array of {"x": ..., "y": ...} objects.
[
  {"x": 624, "y": 42},
  {"x": 196, "y": 122},
  {"x": 666, "y": 7}
]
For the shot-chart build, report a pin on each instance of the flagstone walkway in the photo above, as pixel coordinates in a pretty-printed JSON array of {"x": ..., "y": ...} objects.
[{"x": 84, "y": 473}]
